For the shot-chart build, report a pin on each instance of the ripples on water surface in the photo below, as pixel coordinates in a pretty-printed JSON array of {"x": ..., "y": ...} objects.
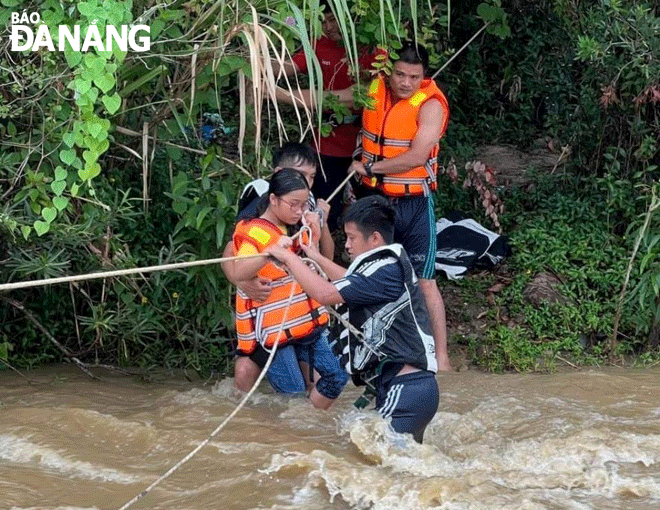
[{"x": 579, "y": 440}]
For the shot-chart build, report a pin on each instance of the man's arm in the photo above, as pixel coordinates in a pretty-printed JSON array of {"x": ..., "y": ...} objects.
[
  {"x": 303, "y": 97},
  {"x": 257, "y": 288},
  {"x": 430, "y": 120},
  {"x": 326, "y": 243},
  {"x": 314, "y": 285},
  {"x": 285, "y": 67},
  {"x": 332, "y": 271}
]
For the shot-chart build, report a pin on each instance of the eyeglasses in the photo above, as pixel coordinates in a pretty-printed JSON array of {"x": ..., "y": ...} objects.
[{"x": 302, "y": 207}]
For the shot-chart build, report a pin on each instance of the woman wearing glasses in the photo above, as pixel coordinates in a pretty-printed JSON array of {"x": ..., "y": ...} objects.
[{"x": 289, "y": 317}]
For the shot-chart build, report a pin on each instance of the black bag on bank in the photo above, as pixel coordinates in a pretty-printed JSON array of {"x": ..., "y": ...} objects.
[{"x": 462, "y": 244}]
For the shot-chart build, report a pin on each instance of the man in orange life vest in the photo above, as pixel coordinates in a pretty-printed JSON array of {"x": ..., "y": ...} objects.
[{"x": 399, "y": 147}]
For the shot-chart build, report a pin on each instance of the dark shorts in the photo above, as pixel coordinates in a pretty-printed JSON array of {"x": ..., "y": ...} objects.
[
  {"x": 415, "y": 229},
  {"x": 410, "y": 400}
]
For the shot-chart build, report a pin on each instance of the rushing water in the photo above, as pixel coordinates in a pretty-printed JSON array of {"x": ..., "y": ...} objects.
[{"x": 586, "y": 439}]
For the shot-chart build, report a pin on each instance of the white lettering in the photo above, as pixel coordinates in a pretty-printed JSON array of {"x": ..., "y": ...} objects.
[
  {"x": 23, "y": 37},
  {"x": 67, "y": 36},
  {"x": 146, "y": 41},
  {"x": 43, "y": 39},
  {"x": 111, "y": 35},
  {"x": 35, "y": 18},
  {"x": 16, "y": 38},
  {"x": 93, "y": 33}
]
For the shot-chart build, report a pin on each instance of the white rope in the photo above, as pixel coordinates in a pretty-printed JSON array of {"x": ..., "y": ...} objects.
[
  {"x": 233, "y": 413},
  {"x": 461, "y": 50},
  {"x": 341, "y": 185},
  {"x": 148, "y": 269},
  {"x": 122, "y": 272},
  {"x": 225, "y": 421}
]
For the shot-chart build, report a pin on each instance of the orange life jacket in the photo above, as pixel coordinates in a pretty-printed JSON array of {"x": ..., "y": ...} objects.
[
  {"x": 388, "y": 130},
  {"x": 261, "y": 321}
]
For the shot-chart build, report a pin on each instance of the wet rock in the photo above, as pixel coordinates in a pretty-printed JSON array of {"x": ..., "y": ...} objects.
[{"x": 544, "y": 288}]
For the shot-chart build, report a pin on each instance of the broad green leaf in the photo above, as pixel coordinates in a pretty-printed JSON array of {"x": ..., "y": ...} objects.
[
  {"x": 82, "y": 85},
  {"x": 179, "y": 207},
  {"x": 202, "y": 214},
  {"x": 74, "y": 190},
  {"x": 41, "y": 227},
  {"x": 219, "y": 231},
  {"x": 90, "y": 156},
  {"x": 73, "y": 58},
  {"x": 25, "y": 230},
  {"x": 69, "y": 139},
  {"x": 86, "y": 9},
  {"x": 67, "y": 156},
  {"x": 98, "y": 145},
  {"x": 95, "y": 63},
  {"x": 112, "y": 103},
  {"x": 49, "y": 214},
  {"x": 105, "y": 82},
  {"x": 58, "y": 187},
  {"x": 156, "y": 26},
  {"x": 60, "y": 174},
  {"x": 93, "y": 127},
  {"x": 119, "y": 54},
  {"x": 60, "y": 203},
  {"x": 93, "y": 169}
]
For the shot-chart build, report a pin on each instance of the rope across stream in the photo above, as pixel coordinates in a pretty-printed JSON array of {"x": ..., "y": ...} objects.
[{"x": 170, "y": 267}]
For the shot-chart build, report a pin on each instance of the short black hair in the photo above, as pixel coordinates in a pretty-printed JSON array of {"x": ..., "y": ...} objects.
[
  {"x": 295, "y": 154},
  {"x": 413, "y": 53},
  {"x": 372, "y": 214}
]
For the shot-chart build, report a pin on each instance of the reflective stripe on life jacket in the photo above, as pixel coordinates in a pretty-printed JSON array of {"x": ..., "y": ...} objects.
[
  {"x": 388, "y": 131},
  {"x": 261, "y": 321}
]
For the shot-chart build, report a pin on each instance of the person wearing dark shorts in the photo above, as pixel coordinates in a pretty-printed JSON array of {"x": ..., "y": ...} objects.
[
  {"x": 410, "y": 401},
  {"x": 389, "y": 348},
  {"x": 398, "y": 151}
]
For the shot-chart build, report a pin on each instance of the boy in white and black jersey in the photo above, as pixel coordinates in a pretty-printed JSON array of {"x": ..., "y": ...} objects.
[{"x": 394, "y": 356}]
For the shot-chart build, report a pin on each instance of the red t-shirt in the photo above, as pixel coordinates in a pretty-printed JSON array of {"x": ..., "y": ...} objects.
[{"x": 334, "y": 67}]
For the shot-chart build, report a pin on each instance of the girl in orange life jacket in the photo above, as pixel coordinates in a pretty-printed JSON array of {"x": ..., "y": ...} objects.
[{"x": 303, "y": 335}]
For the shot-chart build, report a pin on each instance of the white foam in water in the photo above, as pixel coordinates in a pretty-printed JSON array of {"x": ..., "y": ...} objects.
[
  {"x": 226, "y": 390},
  {"x": 478, "y": 468},
  {"x": 21, "y": 451}
]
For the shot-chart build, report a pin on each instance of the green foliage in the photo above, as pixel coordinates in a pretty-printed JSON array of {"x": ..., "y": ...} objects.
[
  {"x": 644, "y": 298},
  {"x": 567, "y": 234},
  {"x": 102, "y": 164},
  {"x": 619, "y": 45}
]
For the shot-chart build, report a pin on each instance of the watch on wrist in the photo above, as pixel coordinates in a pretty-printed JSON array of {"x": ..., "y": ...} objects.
[{"x": 367, "y": 168}]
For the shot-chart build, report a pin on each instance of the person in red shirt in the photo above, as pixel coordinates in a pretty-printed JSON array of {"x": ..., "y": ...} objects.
[{"x": 336, "y": 149}]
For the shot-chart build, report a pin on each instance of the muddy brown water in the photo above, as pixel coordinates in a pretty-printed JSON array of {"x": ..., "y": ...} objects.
[{"x": 587, "y": 439}]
